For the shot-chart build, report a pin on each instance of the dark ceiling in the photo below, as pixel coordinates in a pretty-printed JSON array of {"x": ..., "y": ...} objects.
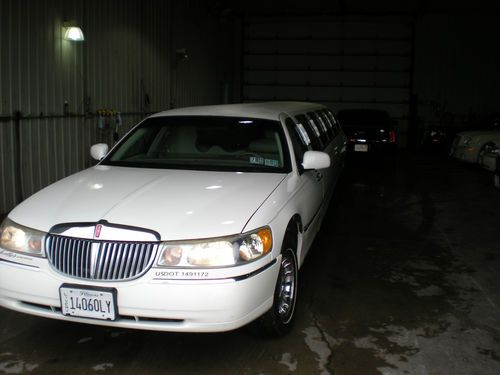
[{"x": 340, "y": 7}]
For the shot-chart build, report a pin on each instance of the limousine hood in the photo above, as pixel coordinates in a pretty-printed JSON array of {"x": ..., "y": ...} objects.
[{"x": 177, "y": 204}]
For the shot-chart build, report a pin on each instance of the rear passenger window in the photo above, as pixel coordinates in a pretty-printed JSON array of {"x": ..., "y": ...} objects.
[
  {"x": 322, "y": 130},
  {"x": 322, "y": 123},
  {"x": 312, "y": 131},
  {"x": 334, "y": 120},
  {"x": 300, "y": 140},
  {"x": 331, "y": 127}
]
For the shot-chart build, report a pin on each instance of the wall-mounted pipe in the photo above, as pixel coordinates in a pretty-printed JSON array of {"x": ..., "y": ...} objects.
[
  {"x": 18, "y": 180},
  {"x": 20, "y": 117}
]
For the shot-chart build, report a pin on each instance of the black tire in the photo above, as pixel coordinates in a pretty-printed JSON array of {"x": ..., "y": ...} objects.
[{"x": 279, "y": 320}]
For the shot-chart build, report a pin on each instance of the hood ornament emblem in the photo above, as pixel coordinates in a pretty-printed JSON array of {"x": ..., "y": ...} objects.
[{"x": 97, "y": 231}]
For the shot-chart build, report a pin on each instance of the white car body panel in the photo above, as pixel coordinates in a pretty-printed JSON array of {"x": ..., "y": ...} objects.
[
  {"x": 127, "y": 204},
  {"x": 468, "y": 145},
  {"x": 211, "y": 203}
]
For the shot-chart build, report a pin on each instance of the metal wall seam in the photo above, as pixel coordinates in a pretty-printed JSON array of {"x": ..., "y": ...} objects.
[
  {"x": 7, "y": 185},
  {"x": 195, "y": 77},
  {"x": 3, "y": 55}
]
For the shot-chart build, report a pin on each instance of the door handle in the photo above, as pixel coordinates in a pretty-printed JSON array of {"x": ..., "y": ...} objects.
[{"x": 319, "y": 176}]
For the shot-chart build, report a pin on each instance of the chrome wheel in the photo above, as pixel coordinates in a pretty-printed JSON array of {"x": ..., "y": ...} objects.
[
  {"x": 286, "y": 287},
  {"x": 280, "y": 318}
]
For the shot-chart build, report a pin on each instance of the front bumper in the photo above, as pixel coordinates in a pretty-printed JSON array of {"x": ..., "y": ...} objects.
[{"x": 148, "y": 303}]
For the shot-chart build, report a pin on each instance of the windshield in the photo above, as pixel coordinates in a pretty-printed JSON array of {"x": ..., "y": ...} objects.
[{"x": 204, "y": 143}]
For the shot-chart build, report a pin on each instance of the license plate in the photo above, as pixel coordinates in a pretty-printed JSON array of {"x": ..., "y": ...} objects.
[
  {"x": 88, "y": 302},
  {"x": 361, "y": 148}
]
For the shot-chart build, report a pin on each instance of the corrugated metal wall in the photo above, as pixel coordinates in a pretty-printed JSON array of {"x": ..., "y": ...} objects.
[
  {"x": 195, "y": 27},
  {"x": 343, "y": 62},
  {"x": 126, "y": 63}
]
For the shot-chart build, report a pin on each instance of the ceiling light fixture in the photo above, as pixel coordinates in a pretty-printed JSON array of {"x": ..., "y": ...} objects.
[{"x": 73, "y": 33}]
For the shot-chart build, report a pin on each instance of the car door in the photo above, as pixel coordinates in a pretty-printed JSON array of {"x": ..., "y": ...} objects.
[
  {"x": 311, "y": 185},
  {"x": 328, "y": 146},
  {"x": 339, "y": 143}
]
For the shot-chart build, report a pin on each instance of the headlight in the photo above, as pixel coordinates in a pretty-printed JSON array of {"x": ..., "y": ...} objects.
[
  {"x": 15, "y": 237},
  {"x": 217, "y": 252}
]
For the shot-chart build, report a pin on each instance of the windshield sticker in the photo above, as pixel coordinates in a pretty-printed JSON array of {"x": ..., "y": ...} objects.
[
  {"x": 256, "y": 160},
  {"x": 271, "y": 163},
  {"x": 267, "y": 162}
]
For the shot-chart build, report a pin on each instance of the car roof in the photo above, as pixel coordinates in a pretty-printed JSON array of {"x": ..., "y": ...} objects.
[
  {"x": 361, "y": 111},
  {"x": 266, "y": 110}
]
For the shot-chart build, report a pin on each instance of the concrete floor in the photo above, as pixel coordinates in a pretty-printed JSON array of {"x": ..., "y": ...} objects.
[{"x": 403, "y": 279}]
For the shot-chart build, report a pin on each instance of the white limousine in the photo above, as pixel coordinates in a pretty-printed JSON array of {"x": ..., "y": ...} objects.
[{"x": 198, "y": 220}]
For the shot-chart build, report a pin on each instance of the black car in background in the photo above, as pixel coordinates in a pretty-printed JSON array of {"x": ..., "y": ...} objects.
[{"x": 368, "y": 130}]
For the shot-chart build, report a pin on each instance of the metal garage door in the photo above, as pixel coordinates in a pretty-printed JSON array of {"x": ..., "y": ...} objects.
[{"x": 348, "y": 62}]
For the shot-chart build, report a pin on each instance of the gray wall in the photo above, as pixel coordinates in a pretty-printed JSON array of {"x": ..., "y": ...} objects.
[{"x": 127, "y": 63}]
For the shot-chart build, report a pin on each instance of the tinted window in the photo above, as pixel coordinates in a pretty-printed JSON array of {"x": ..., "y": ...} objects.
[
  {"x": 332, "y": 132},
  {"x": 330, "y": 124},
  {"x": 312, "y": 132},
  {"x": 334, "y": 120},
  {"x": 204, "y": 143},
  {"x": 325, "y": 137}
]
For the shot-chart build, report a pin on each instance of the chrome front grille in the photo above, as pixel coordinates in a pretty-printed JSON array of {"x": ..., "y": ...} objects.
[{"x": 99, "y": 260}]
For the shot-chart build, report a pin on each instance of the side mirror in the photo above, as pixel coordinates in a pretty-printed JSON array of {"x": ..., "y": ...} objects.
[
  {"x": 98, "y": 151},
  {"x": 316, "y": 160}
]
